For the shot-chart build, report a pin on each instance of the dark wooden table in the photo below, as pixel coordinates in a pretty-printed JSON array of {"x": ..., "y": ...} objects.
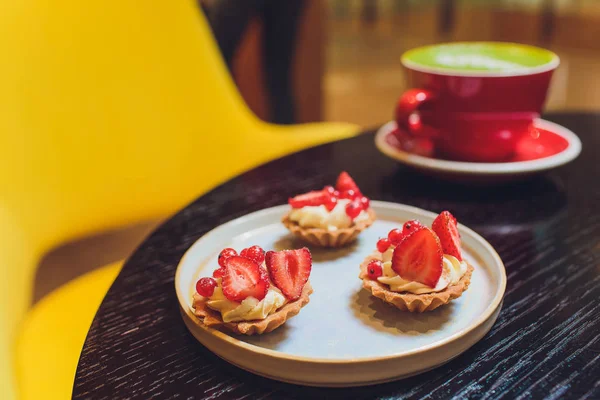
[{"x": 546, "y": 342}]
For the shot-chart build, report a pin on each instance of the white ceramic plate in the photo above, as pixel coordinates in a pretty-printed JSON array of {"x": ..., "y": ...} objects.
[
  {"x": 482, "y": 172},
  {"x": 344, "y": 336}
]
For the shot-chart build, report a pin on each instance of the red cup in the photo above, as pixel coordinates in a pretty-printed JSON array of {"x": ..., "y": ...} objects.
[{"x": 475, "y": 116}]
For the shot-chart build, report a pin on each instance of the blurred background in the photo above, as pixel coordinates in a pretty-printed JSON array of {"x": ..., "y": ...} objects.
[
  {"x": 350, "y": 49},
  {"x": 338, "y": 60}
]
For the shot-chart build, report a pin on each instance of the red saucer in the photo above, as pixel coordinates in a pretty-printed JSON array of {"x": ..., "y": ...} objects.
[
  {"x": 540, "y": 144},
  {"x": 553, "y": 145},
  {"x": 546, "y": 144}
]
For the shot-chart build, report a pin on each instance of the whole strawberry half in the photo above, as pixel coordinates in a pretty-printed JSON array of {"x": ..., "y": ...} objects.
[
  {"x": 446, "y": 228},
  {"x": 345, "y": 183},
  {"x": 289, "y": 270},
  {"x": 314, "y": 198},
  {"x": 243, "y": 278},
  {"x": 419, "y": 257}
]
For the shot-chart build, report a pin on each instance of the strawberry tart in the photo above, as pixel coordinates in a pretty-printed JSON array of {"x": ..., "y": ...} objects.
[
  {"x": 331, "y": 217},
  {"x": 254, "y": 292},
  {"x": 416, "y": 268}
]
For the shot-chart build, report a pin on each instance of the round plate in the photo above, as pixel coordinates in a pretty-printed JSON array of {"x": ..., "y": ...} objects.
[
  {"x": 345, "y": 336},
  {"x": 555, "y": 146}
]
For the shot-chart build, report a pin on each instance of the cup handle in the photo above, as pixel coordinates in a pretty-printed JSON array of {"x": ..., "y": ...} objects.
[{"x": 408, "y": 105}]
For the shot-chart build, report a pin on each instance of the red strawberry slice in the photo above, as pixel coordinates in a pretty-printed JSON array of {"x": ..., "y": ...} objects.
[
  {"x": 264, "y": 275},
  {"x": 446, "y": 227},
  {"x": 243, "y": 278},
  {"x": 314, "y": 198},
  {"x": 345, "y": 182},
  {"x": 419, "y": 257},
  {"x": 289, "y": 270}
]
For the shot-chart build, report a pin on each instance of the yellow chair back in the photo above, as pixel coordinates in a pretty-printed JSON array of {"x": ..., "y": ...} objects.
[{"x": 112, "y": 112}]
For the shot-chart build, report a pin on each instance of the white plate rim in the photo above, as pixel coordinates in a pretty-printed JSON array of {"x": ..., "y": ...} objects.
[
  {"x": 482, "y": 318},
  {"x": 472, "y": 168}
]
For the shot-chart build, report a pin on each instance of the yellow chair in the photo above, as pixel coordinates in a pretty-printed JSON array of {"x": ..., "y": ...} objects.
[{"x": 111, "y": 112}]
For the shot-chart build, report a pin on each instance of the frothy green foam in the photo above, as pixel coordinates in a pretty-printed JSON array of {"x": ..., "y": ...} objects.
[{"x": 479, "y": 56}]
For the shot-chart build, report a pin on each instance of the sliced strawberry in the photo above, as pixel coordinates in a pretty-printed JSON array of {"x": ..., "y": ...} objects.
[
  {"x": 419, "y": 257},
  {"x": 243, "y": 278},
  {"x": 289, "y": 270},
  {"x": 350, "y": 194},
  {"x": 314, "y": 198},
  {"x": 345, "y": 182},
  {"x": 446, "y": 228},
  {"x": 264, "y": 275}
]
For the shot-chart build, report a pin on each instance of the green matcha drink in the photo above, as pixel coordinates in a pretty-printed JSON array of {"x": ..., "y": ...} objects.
[{"x": 480, "y": 58}]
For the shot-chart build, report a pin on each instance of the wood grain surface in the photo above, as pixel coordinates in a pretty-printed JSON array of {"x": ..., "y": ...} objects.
[{"x": 545, "y": 344}]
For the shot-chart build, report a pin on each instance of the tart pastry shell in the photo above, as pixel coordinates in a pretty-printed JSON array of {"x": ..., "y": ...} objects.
[
  {"x": 213, "y": 319},
  {"x": 413, "y": 302},
  {"x": 326, "y": 238}
]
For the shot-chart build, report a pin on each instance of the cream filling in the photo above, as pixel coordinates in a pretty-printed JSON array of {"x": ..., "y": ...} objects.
[
  {"x": 249, "y": 309},
  {"x": 452, "y": 271},
  {"x": 319, "y": 217}
]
